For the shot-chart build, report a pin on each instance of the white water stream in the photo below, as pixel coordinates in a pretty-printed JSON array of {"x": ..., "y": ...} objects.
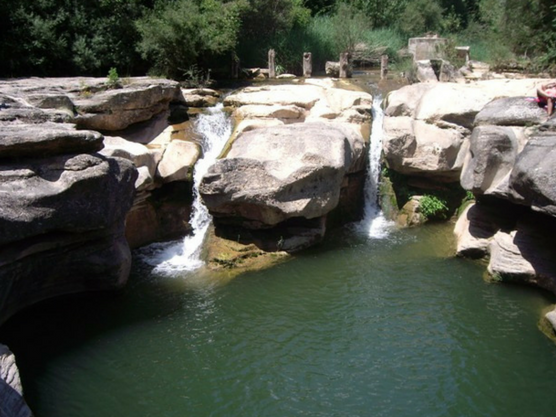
[
  {"x": 374, "y": 223},
  {"x": 168, "y": 258}
]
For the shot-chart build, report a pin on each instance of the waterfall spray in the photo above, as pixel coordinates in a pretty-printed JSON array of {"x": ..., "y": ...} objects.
[
  {"x": 374, "y": 224},
  {"x": 215, "y": 128}
]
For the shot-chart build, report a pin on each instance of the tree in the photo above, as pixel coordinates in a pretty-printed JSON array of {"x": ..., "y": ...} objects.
[
  {"x": 179, "y": 34},
  {"x": 421, "y": 16}
]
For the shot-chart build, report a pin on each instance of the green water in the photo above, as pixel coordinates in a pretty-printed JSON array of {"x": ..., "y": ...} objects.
[{"x": 356, "y": 327}]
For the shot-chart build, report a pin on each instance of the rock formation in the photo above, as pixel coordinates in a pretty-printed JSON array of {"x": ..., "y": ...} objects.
[
  {"x": 427, "y": 130},
  {"x": 74, "y": 153},
  {"x": 296, "y": 160},
  {"x": 494, "y": 140},
  {"x": 12, "y": 403}
]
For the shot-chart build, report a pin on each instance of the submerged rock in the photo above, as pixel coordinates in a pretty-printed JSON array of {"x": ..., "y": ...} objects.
[{"x": 12, "y": 403}]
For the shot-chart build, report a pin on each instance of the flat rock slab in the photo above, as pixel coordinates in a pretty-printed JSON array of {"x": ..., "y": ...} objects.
[
  {"x": 511, "y": 111},
  {"x": 74, "y": 193},
  {"x": 46, "y": 139}
]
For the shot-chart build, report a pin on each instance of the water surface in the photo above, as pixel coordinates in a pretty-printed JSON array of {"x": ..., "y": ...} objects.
[{"x": 355, "y": 327}]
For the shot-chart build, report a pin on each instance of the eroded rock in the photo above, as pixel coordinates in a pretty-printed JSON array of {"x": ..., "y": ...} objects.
[
  {"x": 277, "y": 173},
  {"x": 12, "y": 403}
]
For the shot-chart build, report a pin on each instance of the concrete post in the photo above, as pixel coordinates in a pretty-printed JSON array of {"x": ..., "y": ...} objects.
[
  {"x": 271, "y": 63},
  {"x": 307, "y": 64},
  {"x": 344, "y": 65},
  {"x": 383, "y": 66}
]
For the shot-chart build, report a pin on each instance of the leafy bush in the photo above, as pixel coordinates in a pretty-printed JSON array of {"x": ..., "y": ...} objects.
[
  {"x": 183, "y": 33},
  {"x": 420, "y": 16},
  {"x": 113, "y": 78},
  {"x": 433, "y": 207}
]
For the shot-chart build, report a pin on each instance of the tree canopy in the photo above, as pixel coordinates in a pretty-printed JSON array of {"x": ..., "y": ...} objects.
[{"x": 169, "y": 37}]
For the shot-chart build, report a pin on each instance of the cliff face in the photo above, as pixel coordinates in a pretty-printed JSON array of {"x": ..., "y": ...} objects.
[{"x": 66, "y": 190}]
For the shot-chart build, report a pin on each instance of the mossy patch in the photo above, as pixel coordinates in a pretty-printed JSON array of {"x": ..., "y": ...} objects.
[{"x": 234, "y": 257}]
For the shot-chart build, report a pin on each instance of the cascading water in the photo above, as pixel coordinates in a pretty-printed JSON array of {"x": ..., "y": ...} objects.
[
  {"x": 374, "y": 223},
  {"x": 215, "y": 128}
]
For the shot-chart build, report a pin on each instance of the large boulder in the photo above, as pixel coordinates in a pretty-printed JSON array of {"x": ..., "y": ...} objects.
[
  {"x": 178, "y": 161},
  {"x": 12, "y": 403},
  {"x": 533, "y": 178},
  {"x": 414, "y": 147},
  {"x": 277, "y": 173},
  {"x": 525, "y": 255},
  {"x": 491, "y": 157},
  {"x": 474, "y": 230},
  {"x": 427, "y": 126},
  {"x": 511, "y": 111}
]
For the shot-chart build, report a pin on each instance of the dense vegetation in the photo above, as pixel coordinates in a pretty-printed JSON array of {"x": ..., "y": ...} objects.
[{"x": 184, "y": 38}]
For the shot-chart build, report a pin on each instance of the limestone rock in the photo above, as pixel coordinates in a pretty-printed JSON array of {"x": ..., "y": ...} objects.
[
  {"x": 178, "y": 161},
  {"x": 413, "y": 147},
  {"x": 512, "y": 111},
  {"x": 118, "y": 109},
  {"x": 332, "y": 69},
  {"x": 252, "y": 124},
  {"x": 276, "y": 173},
  {"x": 452, "y": 103},
  {"x": 281, "y": 112},
  {"x": 12, "y": 403},
  {"x": 199, "y": 97},
  {"x": 525, "y": 255},
  {"x": 410, "y": 214},
  {"x": 533, "y": 178},
  {"x": 551, "y": 317},
  {"x": 66, "y": 211},
  {"x": 424, "y": 72},
  {"x": 449, "y": 73},
  {"x": 304, "y": 96},
  {"x": 38, "y": 140},
  {"x": 491, "y": 157},
  {"x": 474, "y": 230},
  {"x": 73, "y": 192},
  {"x": 144, "y": 159},
  {"x": 404, "y": 101}
]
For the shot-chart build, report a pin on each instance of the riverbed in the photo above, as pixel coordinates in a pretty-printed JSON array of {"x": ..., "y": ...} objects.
[{"x": 358, "y": 326}]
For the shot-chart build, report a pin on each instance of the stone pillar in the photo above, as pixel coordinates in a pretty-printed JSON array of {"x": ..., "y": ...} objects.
[
  {"x": 307, "y": 64},
  {"x": 271, "y": 64},
  {"x": 383, "y": 66},
  {"x": 344, "y": 65},
  {"x": 235, "y": 67}
]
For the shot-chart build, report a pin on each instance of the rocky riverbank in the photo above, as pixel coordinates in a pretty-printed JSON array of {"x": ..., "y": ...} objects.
[{"x": 491, "y": 139}]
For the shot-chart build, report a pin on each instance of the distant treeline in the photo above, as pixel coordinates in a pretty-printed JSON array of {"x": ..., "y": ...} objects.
[{"x": 184, "y": 38}]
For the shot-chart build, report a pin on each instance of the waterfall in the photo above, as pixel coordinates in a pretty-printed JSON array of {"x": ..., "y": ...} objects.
[
  {"x": 215, "y": 129},
  {"x": 374, "y": 224}
]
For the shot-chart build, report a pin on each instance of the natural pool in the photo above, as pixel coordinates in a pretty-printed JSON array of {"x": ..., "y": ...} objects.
[{"x": 354, "y": 327}]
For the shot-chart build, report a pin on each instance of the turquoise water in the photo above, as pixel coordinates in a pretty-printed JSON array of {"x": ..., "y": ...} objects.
[{"x": 355, "y": 327}]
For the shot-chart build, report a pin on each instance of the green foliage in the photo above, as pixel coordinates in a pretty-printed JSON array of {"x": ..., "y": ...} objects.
[
  {"x": 349, "y": 27},
  {"x": 183, "y": 33},
  {"x": 68, "y": 37},
  {"x": 113, "y": 78},
  {"x": 433, "y": 207},
  {"x": 420, "y": 16}
]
